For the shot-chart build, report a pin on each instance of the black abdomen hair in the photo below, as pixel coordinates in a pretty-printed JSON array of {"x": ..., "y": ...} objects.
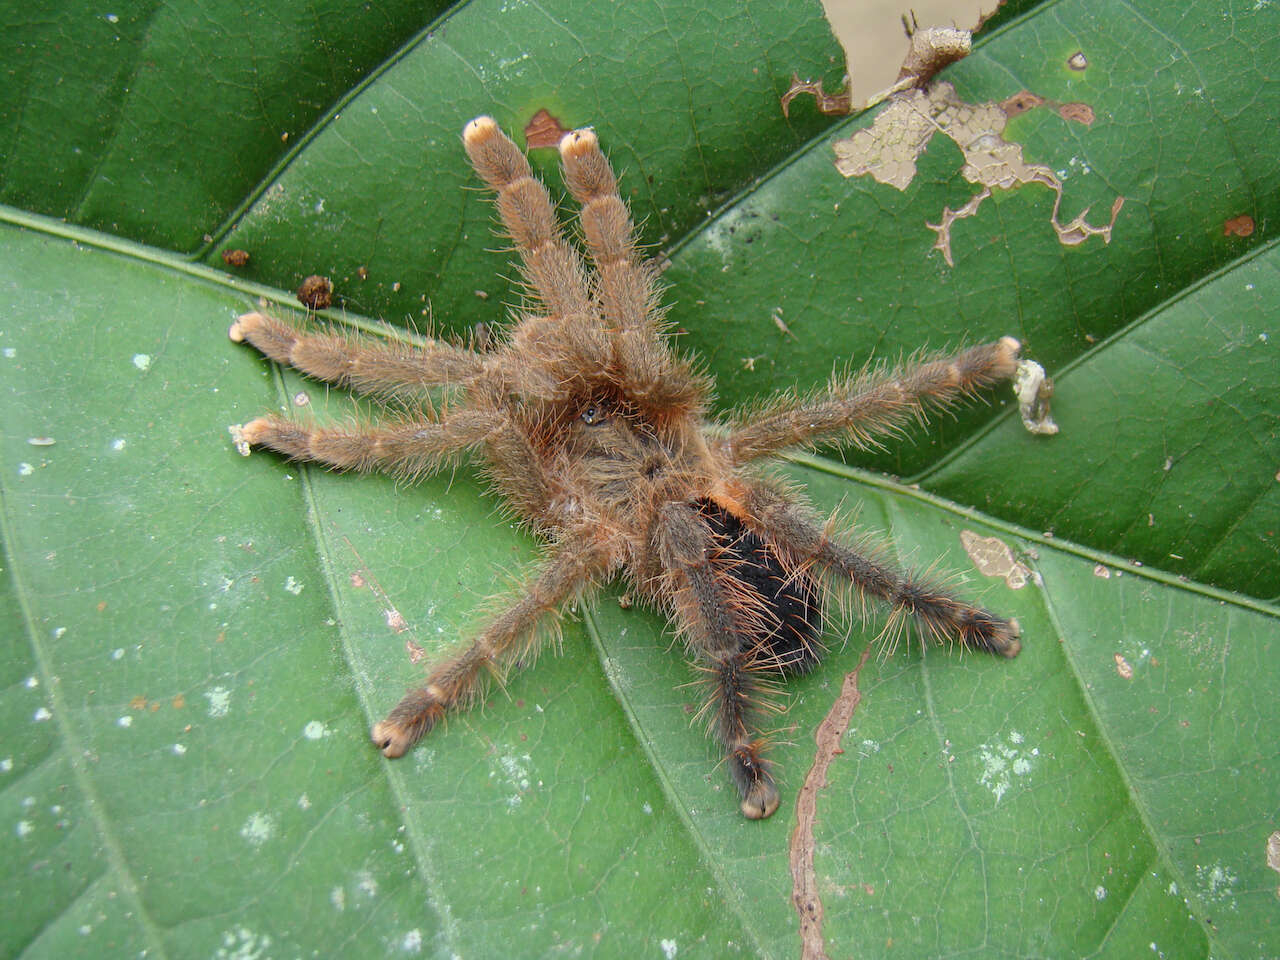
[{"x": 792, "y": 598}]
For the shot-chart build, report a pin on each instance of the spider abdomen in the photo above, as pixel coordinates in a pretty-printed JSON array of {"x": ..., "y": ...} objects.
[{"x": 786, "y": 630}]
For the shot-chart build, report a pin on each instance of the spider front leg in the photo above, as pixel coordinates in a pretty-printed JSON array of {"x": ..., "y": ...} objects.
[
  {"x": 718, "y": 616},
  {"x": 380, "y": 368},
  {"x": 581, "y": 556},
  {"x": 410, "y": 447},
  {"x": 857, "y": 409}
]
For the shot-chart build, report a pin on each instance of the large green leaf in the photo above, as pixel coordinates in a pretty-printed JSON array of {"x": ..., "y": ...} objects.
[{"x": 199, "y": 641}]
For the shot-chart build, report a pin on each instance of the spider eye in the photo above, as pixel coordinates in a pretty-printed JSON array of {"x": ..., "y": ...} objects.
[{"x": 594, "y": 413}]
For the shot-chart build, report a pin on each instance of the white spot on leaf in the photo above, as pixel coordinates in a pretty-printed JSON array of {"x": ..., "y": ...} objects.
[
  {"x": 258, "y": 829},
  {"x": 1002, "y": 762},
  {"x": 219, "y": 701}
]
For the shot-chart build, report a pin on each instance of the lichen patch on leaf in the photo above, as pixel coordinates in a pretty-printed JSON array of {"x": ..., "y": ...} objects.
[{"x": 992, "y": 556}]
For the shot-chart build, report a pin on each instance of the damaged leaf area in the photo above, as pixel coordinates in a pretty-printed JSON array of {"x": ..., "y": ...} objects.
[{"x": 889, "y": 148}]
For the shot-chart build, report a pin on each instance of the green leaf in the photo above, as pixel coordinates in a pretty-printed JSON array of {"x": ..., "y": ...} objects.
[{"x": 199, "y": 642}]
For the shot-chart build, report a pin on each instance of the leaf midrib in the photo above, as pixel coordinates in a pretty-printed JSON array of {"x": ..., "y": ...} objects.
[{"x": 71, "y": 745}]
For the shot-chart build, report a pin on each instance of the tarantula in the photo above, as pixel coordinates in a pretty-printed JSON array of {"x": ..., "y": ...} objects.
[{"x": 595, "y": 432}]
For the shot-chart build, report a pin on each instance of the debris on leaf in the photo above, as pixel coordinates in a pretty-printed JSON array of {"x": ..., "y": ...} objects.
[
  {"x": 316, "y": 292},
  {"x": 1033, "y": 390}
]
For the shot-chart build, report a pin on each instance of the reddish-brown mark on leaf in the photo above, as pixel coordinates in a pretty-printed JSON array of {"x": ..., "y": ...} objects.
[
  {"x": 235, "y": 258},
  {"x": 1241, "y": 226},
  {"x": 1021, "y": 102},
  {"x": 1025, "y": 100},
  {"x": 544, "y": 129},
  {"x": 805, "y": 895},
  {"x": 1077, "y": 112}
]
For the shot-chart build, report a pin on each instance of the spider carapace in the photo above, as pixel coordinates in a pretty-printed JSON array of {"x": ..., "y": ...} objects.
[{"x": 595, "y": 432}]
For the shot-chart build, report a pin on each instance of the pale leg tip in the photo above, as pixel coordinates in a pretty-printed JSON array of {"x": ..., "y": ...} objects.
[
  {"x": 760, "y": 802},
  {"x": 575, "y": 143},
  {"x": 479, "y": 130},
  {"x": 389, "y": 739},
  {"x": 239, "y": 330}
]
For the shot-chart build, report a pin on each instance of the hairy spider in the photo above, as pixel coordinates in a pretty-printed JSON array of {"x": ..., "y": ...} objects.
[{"x": 594, "y": 431}]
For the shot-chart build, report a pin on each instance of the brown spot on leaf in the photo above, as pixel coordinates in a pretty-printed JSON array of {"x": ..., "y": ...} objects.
[
  {"x": 543, "y": 130},
  {"x": 416, "y": 653},
  {"x": 1020, "y": 103},
  {"x": 179, "y": 702},
  {"x": 1241, "y": 226},
  {"x": 138, "y": 703},
  {"x": 235, "y": 258},
  {"x": 1076, "y": 112}
]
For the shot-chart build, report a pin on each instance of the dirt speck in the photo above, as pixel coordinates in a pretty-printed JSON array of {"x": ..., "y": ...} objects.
[
  {"x": 1123, "y": 667},
  {"x": 235, "y": 258},
  {"x": 1078, "y": 61}
]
